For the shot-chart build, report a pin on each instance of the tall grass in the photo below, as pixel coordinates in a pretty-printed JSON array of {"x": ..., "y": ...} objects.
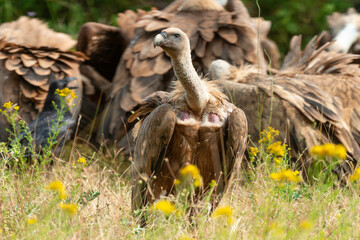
[{"x": 89, "y": 198}]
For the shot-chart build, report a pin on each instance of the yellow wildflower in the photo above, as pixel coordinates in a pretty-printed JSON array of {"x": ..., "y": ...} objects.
[
  {"x": 82, "y": 161},
  {"x": 66, "y": 92},
  {"x": 225, "y": 211},
  {"x": 277, "y": 160},
  {"x": 254, "y": 151},
  {"x": 185, "y": 237},
  {"x": 275, "y": 230},
  {"x": 31, "y": 220},
  {"x": 16, "y": 107},
  {"x": 330, "y": 150},
  {"x": 286, "y": 175},
  {"x": 212, "y": 183},
  {"x": 57, "y": 186},
  {"x": 268, "y": 135},
  {"x": 276, "y": 148},
  {"x": 176, "y": 181},
  {"x": 8, "y": 105},
  {"x": 69, "y": 208},
  {"x": 305, "y": 225},
  {"x": 340, "y": 151},
  {"x": 164, "y": 206},
  {"x": 192, "y": 171},
  {"x": 355, "y": 176}
]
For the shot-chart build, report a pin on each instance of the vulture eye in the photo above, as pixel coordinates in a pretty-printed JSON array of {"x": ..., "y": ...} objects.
[{"x": 177, "y": 35}]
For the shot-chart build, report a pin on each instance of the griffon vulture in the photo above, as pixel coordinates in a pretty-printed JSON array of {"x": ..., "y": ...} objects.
[
  {"x": 189, "y": 125},
  {"x": 303, "y": 100},
  {"x": 215, "y": 31},
  {"x": 26, "y": 73}
]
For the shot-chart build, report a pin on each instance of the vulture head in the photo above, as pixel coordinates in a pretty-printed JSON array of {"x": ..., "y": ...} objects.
[
  {"x": 61, "y": 84},
  {"x": 177, "y": 45},
  {"x": 222, "y": 70},
  {"x": 173, "y": 41},
  {"x": 54, "y": 85}
]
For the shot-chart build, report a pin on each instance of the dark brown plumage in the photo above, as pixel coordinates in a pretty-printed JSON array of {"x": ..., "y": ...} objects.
[
  {"x": 214, "y": 32},
  {"x": 25, "y": 76},
  {"x": 186, "y": 126},
  {"x": 332, "y": 72}
]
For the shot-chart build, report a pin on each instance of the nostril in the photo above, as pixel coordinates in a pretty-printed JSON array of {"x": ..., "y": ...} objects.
[
  {"x": 184, "y": 115},
  {"x": 164, "y": 34}
]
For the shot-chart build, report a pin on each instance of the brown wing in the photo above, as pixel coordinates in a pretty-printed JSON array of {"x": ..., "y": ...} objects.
[
  {"x": 303, "y": 123},
  {"x": 333, "y": 73},
  {"x": 151, "y": 144},
  {"x": 32, "y": 32},
  {"x": 144, "y": 70},
  {"x": 104, "y": 46},
  {"x": 314, "y": 59},
  {"x": 235, "y": 145},
  {"x": 27, "y": 73},
  {"x": 149, "y": 104}
]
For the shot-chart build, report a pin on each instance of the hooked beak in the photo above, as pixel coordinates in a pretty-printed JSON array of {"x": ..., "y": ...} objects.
[
  {"x": 160, "y": 39},
  {"x": 69, "y": 80}
]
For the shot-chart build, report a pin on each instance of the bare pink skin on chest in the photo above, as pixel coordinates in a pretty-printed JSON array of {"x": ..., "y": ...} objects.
[
  {"x": 184, "y": 115},
  {"x": 213, "y": 118}
]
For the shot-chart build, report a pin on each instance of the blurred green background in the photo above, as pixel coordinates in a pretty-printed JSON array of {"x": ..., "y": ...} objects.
[{"x": 289, "y": 17}]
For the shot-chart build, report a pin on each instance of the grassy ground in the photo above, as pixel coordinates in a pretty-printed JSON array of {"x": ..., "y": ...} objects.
[{"x": 98, "y": 195}]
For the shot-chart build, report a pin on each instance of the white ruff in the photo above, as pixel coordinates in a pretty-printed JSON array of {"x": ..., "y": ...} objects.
[{"x": 345, "y": 38}]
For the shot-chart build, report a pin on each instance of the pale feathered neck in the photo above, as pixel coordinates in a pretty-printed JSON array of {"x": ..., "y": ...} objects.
[
  {"x": 196, "y": 94},
  {"x": 210, "y": 86}
]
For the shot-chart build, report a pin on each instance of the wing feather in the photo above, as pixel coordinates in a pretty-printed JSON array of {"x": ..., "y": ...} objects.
[{"x": 152, "y": 141}]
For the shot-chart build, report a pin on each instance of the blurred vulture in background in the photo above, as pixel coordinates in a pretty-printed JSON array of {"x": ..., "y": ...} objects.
[
  {"x": 215, "y": 31},
  {"x": 345, "y": 29},
  {"x": 332, "y": 72},
  {"x": 32, "y": 32},
  {"x": 27, "y": 71},
  {"x": 42, "y": 126},
  {"x": 313, "y": 99},
  {"x": 104, "y": 45}
]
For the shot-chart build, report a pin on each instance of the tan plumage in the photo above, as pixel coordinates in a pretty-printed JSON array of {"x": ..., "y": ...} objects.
[
  {"x": 104, "y": 46},
  {"x": 315, "y": 98},
  {"x": 32, "y": 32},
  {"x": 127, "y": 20},
  {"x": 271, "y": 51},
  {"x": 25, "y": 76},
  {"x": 186, "y": 126},
  {"x": 214, "y": 32}
]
